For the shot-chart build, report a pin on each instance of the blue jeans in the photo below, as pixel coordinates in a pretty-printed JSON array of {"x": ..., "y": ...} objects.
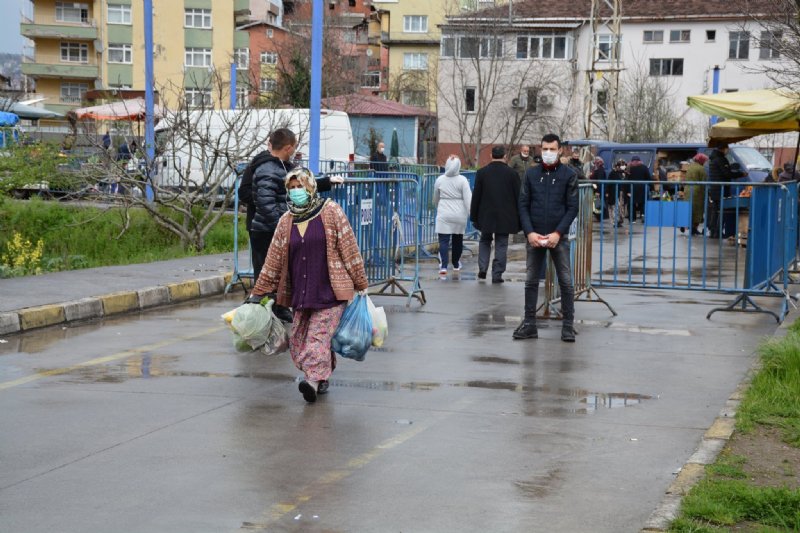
[
  {"x": 535, "y": 262},
  {"x": 444, "y": 248}
]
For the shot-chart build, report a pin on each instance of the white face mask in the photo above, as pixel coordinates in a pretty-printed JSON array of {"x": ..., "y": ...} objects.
[{"x": 549, "y": 158}]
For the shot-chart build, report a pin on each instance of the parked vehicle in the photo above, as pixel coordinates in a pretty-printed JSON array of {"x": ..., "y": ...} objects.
[
  {"x": 748, "y": 158},
  {"x": 237, "y": 136}
]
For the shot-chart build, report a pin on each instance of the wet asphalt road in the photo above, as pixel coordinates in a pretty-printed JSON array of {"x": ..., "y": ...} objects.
[{"x": 154, "y": 423}]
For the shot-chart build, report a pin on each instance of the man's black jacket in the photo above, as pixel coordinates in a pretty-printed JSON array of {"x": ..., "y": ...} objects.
[{"x": 548, "y": 201}]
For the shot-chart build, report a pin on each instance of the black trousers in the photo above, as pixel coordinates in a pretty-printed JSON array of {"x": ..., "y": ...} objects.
[{"x": 259, "y": 245}]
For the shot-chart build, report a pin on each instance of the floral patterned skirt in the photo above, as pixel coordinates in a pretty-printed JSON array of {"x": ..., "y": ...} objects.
[{"x": 310, "y": 341}]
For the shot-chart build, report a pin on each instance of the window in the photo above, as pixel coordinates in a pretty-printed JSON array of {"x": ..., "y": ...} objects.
[
  {"x": 268, "y": 85},
  {"x": 653, "y": 36},
  {"x": 197, "y": 57},
  {"x": 119, "y": 14},
  {"x": 269, "y": 33},
  {"x": 349, "y": 36},
  {"x": 75, "y": 52},
  {"x": 414, "y": 98},
  {"x": 491, "y": 47},
  {"x": 197, "y": 18},
  {"x": 666, "y": 67},
  {"x": 242, "y": 99},
  {"x": 553, "y": 46},
  {"x": 371, "y": 80},
  {"x": 607, "y": 49},
  {"x": 72, "y": 12},
  {"x": 269, "y": 58},
  {"x": 198, "y": 97},
  {"x": 415, "y": 23},
  {"x": 73, "y": 93},
  {"x": 602, "y": 102},
  {"x": 448, "y": 46},
  {"x": 120, "y": 53},
  {"x": 469, "y": 99},
  {"x": 711, "y": 36},
  {"x": 468, "y": 47},
  {"x": 680, "y": 36},
  {"x": 415, "y": 61},
  {"x": 739, "y": 45},
  {"x": 770, "y": 45},
  {"x": 241, "y": 57}
]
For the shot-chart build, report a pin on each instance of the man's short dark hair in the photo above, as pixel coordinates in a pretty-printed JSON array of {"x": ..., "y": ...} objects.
[
  {"x": 498, "y": 152},
  {"x": 282, "y": 137},
  {"x": 552, "y": 137}
]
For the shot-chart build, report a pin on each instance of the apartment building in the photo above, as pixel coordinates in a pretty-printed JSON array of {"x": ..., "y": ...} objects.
[
  {"x": 85, "y": 48},
  {"x": 544, "y": 59}
]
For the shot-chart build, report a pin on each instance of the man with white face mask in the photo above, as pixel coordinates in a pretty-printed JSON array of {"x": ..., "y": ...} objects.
[{"x": 548, "y": 203}]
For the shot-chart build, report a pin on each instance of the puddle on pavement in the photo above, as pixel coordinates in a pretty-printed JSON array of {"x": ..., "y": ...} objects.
[{"x": 494, "y": 359}]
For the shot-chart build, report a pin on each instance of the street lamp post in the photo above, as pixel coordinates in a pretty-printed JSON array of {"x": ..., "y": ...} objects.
[
  {"x": 316, "y": 84},
  {"x": 149, "y": 123}
]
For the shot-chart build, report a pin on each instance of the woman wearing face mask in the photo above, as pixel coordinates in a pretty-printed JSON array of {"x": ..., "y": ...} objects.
[{"x": 314, "y": 266}]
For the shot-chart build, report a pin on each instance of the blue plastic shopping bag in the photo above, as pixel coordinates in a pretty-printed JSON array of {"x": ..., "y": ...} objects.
[{"x": 353, "y": 337}]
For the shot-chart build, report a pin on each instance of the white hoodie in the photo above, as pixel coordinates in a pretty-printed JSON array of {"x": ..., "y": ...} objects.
[{"x": 452, "y": 196}]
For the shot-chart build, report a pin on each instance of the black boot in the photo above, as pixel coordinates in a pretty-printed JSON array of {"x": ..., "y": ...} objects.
[
  {"x": 567, "y": 333},
  {"x": 526, "y": 330}
]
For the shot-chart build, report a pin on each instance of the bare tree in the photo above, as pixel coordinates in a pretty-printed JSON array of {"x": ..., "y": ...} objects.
[
  {"x": 647, "y": 110},
  {"x": 773, "y": 26},
  {"x": 198, "y": 149},
  {"x": 491, "y": 97}
]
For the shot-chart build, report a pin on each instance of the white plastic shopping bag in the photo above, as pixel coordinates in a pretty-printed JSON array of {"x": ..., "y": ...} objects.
[{"x": 380, "y": 327}]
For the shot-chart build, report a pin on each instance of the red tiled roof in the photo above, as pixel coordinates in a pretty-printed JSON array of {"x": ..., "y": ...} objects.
[
  {"x": 649, "y": 9},
  {"x": 359, "y": 104}
]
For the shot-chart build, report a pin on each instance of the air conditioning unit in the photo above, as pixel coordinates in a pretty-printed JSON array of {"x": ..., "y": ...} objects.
[
  {"x": 544, "y": 100},
  {"x": 518, "y": 103}
]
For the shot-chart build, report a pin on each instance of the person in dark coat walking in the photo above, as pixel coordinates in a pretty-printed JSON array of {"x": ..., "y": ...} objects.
[
  {"x": 548, "y": 203},
  {"x": 638, "y": 171},
  {"x": 719, "y": 169},
  {"x": 377, "y": 161},
  {"x": 494, "y": 211},
  {"x": 262, "y": 189}
]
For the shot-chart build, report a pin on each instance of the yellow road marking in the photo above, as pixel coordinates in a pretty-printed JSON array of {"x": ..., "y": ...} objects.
[
  {"x": 306, "y": 493},
  {"x": 105, "y": 359}
]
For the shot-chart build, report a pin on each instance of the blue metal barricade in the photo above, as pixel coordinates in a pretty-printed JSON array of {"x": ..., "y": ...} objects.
[{"x": 736, "y": 238}]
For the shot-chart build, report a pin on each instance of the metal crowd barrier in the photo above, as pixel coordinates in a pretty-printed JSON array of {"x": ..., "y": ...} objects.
[
  {"x": 736, "y": 238},
  {"x": 580, "y": 240},
  {"x": 384, "y": 214}
]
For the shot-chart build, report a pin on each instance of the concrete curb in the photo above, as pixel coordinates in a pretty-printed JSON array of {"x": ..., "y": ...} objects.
[
  {"x": 714, "y": 441},
  {"x": 110, "y": 304}
]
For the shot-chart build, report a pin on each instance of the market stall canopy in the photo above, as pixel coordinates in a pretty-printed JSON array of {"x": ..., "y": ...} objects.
[
  {"x": 8, "y": 119},
  {"x": 779, "y": 107},
  {"x": 133, "y": 109},
  {"x": 731, "y": 131},
  {"x": 27, "y": 112}
]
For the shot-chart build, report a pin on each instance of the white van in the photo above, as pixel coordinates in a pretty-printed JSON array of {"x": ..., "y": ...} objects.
[{"x": 198, "y": 148}]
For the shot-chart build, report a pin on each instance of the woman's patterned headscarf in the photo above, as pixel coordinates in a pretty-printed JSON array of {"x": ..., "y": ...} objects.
[{"x": 315, "y": 202}]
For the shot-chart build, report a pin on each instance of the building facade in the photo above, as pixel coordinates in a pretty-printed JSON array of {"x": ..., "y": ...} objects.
[
  {"x": 86, "y": 48},
  {"x": 534, "y": 73}
]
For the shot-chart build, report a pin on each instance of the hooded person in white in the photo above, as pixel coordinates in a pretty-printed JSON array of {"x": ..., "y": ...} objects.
[{"x": 452, "y": 197}]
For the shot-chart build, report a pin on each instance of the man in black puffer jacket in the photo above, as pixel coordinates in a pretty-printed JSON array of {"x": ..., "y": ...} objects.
[
  {"x": 263, "y": 190},
  {"x": 548, "y": 203}
]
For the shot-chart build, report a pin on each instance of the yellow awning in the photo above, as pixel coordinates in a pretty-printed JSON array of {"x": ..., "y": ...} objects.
[
  {"x": 731, "y": 131},
  {"x": 749, "y": 107}
]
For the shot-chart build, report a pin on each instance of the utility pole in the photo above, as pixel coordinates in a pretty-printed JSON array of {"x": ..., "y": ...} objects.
[
  {"x": 149, "y": 107},
  {"x": 602, "y": 76},
  {"x": 317, "y": 9}
]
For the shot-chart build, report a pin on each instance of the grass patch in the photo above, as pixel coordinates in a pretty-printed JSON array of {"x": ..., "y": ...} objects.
[
  {"x": 83, "y": 237},
  {"x": 727, "y": 499}
]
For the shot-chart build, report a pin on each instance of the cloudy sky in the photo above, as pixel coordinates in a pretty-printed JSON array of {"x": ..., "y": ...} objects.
[{"x": 10, "y": 39}]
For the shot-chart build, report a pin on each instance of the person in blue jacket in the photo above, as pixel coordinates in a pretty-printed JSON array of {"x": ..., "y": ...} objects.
[{"x": 548, "y": 203}]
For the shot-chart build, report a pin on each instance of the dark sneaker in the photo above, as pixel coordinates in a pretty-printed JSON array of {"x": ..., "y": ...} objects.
[
  {"x": 309, "y": 393},
  {"x": 568, "y": 334},
  {"x": 323, "y": 387},
  {"x": 481, "y": 275},
  {"x": 498, "y": 280},
  {"x": 526, "y": 330}
]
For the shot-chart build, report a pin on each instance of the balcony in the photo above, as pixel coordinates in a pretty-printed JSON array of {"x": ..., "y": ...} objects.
[
  {"x": 47, "y": 27},
  {"x": 51, "y": 66}
]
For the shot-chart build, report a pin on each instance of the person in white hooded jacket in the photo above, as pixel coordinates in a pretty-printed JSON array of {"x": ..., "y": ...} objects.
[{"x": 452, "y": 197}]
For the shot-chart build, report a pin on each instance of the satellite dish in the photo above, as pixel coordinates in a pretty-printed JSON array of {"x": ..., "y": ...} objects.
[{"x": 369, "y": 52}]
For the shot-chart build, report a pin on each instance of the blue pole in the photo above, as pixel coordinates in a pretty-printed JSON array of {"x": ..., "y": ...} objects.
[
  {"x": 715, "y": 90},
  {"x": 233, "y": 85},
  {"x": 316, "y": 85},
  {"x": 149, "y": 122}
]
